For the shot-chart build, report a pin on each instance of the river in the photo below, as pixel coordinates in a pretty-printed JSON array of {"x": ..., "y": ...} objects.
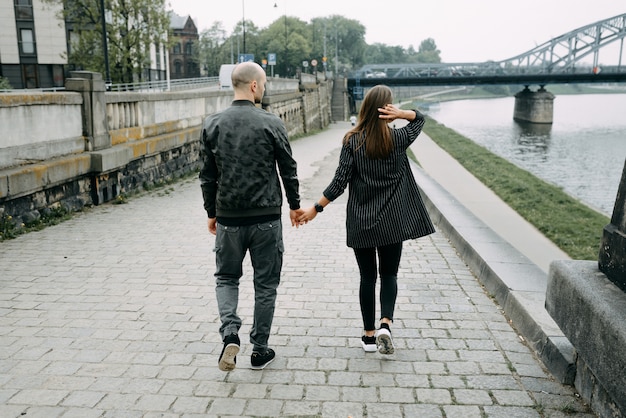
[{"x": 583, "y": 151}]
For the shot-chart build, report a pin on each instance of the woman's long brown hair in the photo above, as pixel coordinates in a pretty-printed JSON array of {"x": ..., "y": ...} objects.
[{"x": 371, "y": 130}]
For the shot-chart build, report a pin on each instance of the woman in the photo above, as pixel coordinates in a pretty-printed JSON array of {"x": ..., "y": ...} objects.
[{"x": 384, "y": 205}]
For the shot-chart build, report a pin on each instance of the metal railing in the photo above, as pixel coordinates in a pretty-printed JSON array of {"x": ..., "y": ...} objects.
[
  {"x": 168, "y": 85},
  {"x": 146, "y": 87}
]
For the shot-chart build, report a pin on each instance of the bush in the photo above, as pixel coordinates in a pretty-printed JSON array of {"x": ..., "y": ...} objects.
[{"x": 4, "y": 84}]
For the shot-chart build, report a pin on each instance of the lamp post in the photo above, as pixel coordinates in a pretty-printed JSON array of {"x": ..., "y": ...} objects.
[
  {"x": 105, "y": 46},
  {"x": 286, "y": 47},
  {"x": 243, "y": 23}
]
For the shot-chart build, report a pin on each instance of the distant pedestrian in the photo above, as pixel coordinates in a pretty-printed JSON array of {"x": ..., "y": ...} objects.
[
  {"x": 384, "y": 205},
  {"x": 244, "y": 152}
]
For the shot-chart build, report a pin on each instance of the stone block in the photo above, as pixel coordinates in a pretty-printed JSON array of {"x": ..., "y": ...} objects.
[
  {"x": 110, "y": 159},
  {"x": 590, "y": 311},
  {"x": 27, "y": 179},
  {"x": 4, "y": 186},
  {"x": 68, "y": 168}
]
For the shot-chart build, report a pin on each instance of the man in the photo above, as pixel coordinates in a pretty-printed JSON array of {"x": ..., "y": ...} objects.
[{"x": 244, "y": 150}]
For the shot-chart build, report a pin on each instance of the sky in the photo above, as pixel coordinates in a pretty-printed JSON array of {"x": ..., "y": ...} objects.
[{"x": 463, "y": 30}]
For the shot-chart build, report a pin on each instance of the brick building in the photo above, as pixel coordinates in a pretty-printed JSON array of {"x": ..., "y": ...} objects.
[{"x": 184, "y": 33}]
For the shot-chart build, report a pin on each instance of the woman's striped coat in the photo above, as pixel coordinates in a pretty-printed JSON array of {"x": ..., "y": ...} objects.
[{"x": 384, "y": 202}]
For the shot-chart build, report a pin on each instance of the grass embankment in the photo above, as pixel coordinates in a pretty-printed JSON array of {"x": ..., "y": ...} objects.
[{"x": 570, "y": 224}]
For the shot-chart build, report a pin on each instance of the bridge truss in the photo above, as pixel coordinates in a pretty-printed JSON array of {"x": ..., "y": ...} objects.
[{"x": 561, "y": 55}]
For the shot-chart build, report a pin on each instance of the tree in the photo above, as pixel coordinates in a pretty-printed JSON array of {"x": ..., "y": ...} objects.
[
  {"x": 341, "y": 41},
  {"x": 289, "y": 38},
  {"x": 211, "y": 53},
  {"x": 132, "y": 27},
  {"x": 428, "y": 52},
  {"x": 345, "y": 41}
]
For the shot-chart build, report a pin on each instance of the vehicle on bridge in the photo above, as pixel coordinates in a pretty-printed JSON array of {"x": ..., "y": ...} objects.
[{"x": 226, "y": 70}]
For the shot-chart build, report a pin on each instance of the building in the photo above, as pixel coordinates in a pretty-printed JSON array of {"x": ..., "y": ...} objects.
[
  {"x": 35, "y": 44},
  {"x": 33, "y": 47},
  {"x": 184, "y": 35}
]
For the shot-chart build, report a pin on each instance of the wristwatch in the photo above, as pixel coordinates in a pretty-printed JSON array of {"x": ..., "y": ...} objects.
[{"x": 318, "y": 208}]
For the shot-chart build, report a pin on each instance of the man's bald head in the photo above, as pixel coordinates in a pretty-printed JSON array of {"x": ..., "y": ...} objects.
[
  {"x": 249, "y": 81},
  {"x": 245, "y": 73}
]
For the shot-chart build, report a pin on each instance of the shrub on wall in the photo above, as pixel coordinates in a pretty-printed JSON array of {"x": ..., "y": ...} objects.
[{"x": 4, "y": 84}]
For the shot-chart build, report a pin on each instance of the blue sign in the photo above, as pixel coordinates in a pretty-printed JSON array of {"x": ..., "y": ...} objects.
[
  {"x": 271, "y": 58},
  {"x": 246, "y": 57}
]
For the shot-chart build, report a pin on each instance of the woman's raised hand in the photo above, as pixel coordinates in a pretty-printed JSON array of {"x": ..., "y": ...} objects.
[{"x": 390, "y": 113}]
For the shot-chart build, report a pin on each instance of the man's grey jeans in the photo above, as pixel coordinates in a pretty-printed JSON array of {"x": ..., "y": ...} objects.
[{"x": 265, "y": 243}]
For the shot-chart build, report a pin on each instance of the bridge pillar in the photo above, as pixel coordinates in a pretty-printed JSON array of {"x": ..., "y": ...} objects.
[{"x": 534, "y": 106}]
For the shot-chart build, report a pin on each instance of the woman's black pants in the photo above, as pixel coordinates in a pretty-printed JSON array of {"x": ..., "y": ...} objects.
[{"x": 388, "y": 262}]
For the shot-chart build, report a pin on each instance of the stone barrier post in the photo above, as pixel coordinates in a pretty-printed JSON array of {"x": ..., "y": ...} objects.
[
  {"x": 612, "y": 260},
  {"x": 91, "y": 87},
  {"x": 587, "y": 300}
]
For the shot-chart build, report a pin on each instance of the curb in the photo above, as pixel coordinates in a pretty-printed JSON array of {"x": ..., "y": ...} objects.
[{"x": 516, "y": 283}]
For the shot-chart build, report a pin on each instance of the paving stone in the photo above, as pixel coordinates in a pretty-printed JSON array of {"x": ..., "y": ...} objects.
[
  {"x": 472, "y": 397},
  {"x": 462, "y": 411},
  {"x": 264, "y": 407},
  {"x": 287, "y": 391},
  {"x": 321, "y": 393},
  {"x": 422, "y": 411},
  {"x": 434, "y": 396},
  {"x": 301, "y": 408}
]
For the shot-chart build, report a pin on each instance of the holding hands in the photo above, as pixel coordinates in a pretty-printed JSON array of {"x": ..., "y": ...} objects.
[
  {"x": 310, "y": 213},
  {"x": 307, "y": 215}
]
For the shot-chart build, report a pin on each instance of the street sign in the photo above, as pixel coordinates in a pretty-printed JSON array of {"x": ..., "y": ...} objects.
[
  {"x": 271, "y": 58},
  {"x": 314, "y": 63},
  {"x": 246, "y": 57}
]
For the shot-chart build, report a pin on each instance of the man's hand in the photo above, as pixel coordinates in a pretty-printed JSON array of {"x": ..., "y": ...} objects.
[
  {"x": 212, "y": 224},
  {"x": 294, "y": 215}
]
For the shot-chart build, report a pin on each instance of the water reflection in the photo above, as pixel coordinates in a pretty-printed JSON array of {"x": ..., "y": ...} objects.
[
  {"x": 583, "y": 153},
  {"x": 533, "y": 139}
]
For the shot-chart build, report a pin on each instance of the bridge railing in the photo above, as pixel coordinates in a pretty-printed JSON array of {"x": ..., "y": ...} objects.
[{"x": 477, "y": 69}]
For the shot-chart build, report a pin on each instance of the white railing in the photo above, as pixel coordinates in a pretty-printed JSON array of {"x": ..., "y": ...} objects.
[
  {"x": 146, "y": 86},
  {"x": 166, "y": 85}
]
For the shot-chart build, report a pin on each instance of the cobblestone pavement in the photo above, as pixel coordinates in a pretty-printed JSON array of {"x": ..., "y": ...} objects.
[{"x": 113, "y": 314}]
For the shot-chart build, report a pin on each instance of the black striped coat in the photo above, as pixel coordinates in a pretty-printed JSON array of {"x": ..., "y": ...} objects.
[{"x": 384, "y": 202}]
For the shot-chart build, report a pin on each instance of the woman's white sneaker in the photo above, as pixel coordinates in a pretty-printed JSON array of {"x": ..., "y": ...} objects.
[
  {"x": 369, "y": 344},
  {"x": 384, "y": 341}
]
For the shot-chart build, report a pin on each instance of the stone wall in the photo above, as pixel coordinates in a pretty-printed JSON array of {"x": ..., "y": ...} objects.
[
  {"x": 87, "y": 147},
  {"x": 39, "y": 126}
]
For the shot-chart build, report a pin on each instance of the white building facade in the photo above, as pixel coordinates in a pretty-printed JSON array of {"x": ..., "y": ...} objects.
[{"x": 33, "y": 46}]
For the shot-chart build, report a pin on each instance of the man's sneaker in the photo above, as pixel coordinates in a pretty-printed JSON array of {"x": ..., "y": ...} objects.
[
  {"x": 369, "y": 343},
  {"x": 260, "y": 360},
  {"x": 228, "y": 358},
  {"x": 383, "y": 340}
]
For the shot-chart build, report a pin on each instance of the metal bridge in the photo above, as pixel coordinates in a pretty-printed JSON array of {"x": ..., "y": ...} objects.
[{"x": 563, "y": 59}]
